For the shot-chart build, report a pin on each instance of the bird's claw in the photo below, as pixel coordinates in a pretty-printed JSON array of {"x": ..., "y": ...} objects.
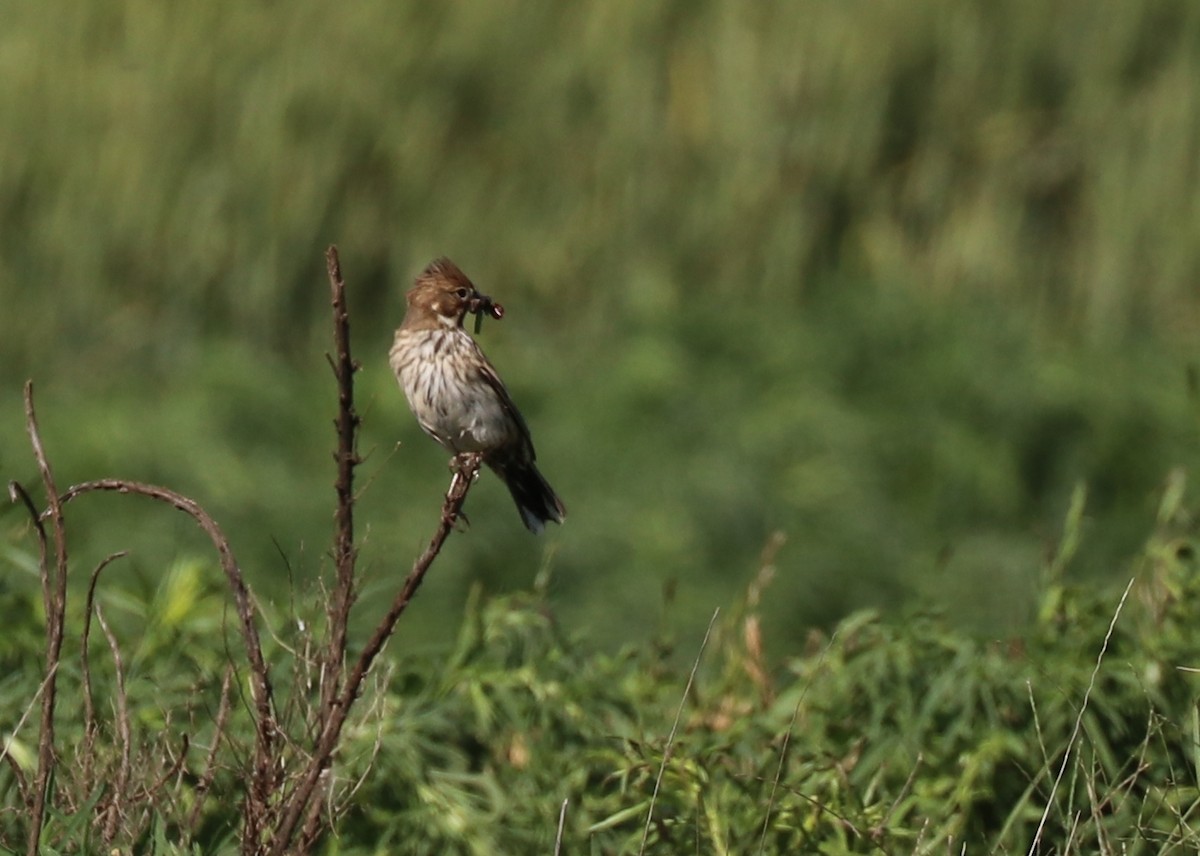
[{"x": 465, "y": 464}]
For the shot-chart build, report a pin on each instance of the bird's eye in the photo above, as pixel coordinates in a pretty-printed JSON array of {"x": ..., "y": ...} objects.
[{"x": 463, "y": 293}]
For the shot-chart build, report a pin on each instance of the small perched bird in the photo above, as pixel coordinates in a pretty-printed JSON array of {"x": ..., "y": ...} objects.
[{"x": 455, "y": 393}]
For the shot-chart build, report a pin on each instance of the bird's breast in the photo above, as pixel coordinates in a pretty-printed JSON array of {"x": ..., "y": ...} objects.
[{"x": 439, "y": 373}]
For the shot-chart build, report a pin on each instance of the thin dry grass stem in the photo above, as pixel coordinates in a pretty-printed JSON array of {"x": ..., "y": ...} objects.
[
  {"x": 323, "y": 812},
  {"x": 371, "y": 477},
  {"x": 562, "y": 822},
  {"x": 841, "y": 818},
  {"x": 1122, "y": 789},
  {"x": 1102, "y": 841},
  {"x": 1037, "y": 837},
  {"x": 120, "y": 785},
  {"x": 331, "y": 807},
  {"x": 662, "y": 768},
  {"x": 18, "y": 775},
  {"x": 377, "y": 711},
  {"x": 347, "y": 458},
  {"x": 311, "y": 830},
  {"x": 54, "y": 595},
  {"x": 90, "y": 727},
  {"x": 1037, "y": 727},
  {"x": 467, "y": 469},
  {"x": 920, "y": 836},
  {"x": 877, "y": 832},
  {"x": 755, "y": 663},
  {"x": 22, "y": 782},
  {"x": 159, "y": 791},
  {"x": 17, "y": 493},
  {"x": 1075, "y": 821},
  {"x": 204, "y": 783},
  {"x": 265, "y": 773}
]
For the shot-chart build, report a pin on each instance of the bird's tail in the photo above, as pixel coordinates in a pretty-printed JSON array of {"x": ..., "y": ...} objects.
[{"x": 535, "y": 499}]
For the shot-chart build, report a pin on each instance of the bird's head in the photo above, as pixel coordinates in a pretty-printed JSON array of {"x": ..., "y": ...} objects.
[{"x": 442, "y": 295}]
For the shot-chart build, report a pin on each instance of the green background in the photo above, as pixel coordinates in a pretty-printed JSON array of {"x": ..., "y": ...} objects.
[{"x": 890, "y": 279}]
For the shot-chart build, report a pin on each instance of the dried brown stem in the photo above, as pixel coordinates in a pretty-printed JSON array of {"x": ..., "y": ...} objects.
[
  {"x": 264, "y": 776},
  {"x": 54, "y": 594},
  {"x": 120, "y": 784},
  {"x": 172, "y": 772},
  {"x": 17, "y": 493},
  {"x": 460, "y": 485},
  {"x": 311, "y": 830},
  {"x": 19, "y": 775},
  {"x": 346, "y": 456},
  {"x": 89, "y": 706},
  {"x": 210, "y": 763}
]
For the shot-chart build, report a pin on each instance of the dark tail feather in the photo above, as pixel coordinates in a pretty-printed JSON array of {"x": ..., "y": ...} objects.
[{"x": 535, "y": 499}]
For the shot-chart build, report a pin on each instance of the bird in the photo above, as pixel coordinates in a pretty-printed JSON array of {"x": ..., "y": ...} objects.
[{"x": 456, "y": 394}]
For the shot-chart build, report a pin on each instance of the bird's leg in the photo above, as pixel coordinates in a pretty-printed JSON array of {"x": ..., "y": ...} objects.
[{"x": 464, "y": 466}]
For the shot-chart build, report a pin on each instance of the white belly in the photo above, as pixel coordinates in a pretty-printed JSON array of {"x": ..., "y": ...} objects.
[{"x": 451, "y": 402}]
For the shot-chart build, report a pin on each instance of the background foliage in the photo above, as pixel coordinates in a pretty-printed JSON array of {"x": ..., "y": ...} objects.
[{"x": 891, "y": 281}]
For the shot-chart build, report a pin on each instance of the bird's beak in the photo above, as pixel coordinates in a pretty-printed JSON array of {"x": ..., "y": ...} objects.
[{"x": 481, "y": 304}]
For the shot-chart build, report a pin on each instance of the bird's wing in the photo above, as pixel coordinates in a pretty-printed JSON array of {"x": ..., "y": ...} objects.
[{"x": 487, "y": 373}]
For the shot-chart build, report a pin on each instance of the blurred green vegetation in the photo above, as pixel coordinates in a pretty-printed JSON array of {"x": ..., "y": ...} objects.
[
  {"x": 889, "y": 280},
  {"x": 892, "y": 736}
]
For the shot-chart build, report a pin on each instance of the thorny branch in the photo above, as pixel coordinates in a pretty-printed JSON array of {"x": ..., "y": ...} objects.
[
  {"x": 340, "y": 700},
  {"x": 264, "y": 777},
  {"x": 467, "y": 468},
  {"x": 346, "y": 456}
]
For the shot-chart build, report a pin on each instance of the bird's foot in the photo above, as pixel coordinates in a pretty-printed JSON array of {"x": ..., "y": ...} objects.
[
  {"x": 465, "y": 464},
  {"x": 465, "y": 467}
]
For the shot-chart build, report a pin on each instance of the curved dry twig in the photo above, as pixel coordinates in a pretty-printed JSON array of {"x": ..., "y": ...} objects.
[
  {"x": 562, "y": 822},
  {"x": 148, "y": 792},
  {"x": 118, "y": 792},
  {"x": 90, "y": 728},
  {"x": 265, "y": 772}
]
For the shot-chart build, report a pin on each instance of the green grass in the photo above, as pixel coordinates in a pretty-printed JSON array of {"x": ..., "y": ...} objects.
[{"x": 881, "y": 736}]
